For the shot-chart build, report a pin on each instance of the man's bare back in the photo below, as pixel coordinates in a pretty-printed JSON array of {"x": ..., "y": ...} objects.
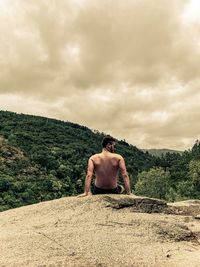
[
  {"x": 106, "y": 169},
  {"x": 106, "y": 166}
]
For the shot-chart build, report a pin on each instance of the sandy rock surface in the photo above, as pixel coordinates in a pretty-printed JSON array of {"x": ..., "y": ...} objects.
[{"x": 100, "y": 231}]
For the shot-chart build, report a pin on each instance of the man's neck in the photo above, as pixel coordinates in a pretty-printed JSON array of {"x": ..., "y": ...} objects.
[{"x": 105, "y": 150}]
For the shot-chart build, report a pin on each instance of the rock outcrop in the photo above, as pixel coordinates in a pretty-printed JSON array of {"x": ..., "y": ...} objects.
[{"x": 100, "y": 231}]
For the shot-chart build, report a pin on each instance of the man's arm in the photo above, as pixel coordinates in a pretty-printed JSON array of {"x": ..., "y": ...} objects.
[
  {"x": 125, "y": 175},
  {"x": 88, "y": 177}
]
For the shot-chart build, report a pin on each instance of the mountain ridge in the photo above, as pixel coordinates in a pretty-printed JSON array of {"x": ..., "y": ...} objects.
[
  {"x": 54, "y": 161},
  {"x": 158, "y": 152},
  {"x": 44, "y": 159}
]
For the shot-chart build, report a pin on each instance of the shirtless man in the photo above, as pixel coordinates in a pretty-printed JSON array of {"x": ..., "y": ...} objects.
[{"x": 106, "y": 166}]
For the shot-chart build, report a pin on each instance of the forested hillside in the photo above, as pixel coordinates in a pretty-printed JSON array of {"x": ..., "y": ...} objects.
[
  {"x": 175, "y": 176},
  {"x": 42, "y": 159}
]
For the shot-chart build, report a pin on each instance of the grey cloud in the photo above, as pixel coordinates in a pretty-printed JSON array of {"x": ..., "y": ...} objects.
[
  {"x": 131, "y": 41},
  {"x": 128, "y": 68},
  {"x": 137, "y": 37}
]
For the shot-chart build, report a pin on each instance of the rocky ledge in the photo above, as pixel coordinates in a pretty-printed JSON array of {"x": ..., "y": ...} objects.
[{"x": 101, "y": 231}]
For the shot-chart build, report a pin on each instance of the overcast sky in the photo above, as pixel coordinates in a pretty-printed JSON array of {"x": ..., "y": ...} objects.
[{"x": 129, "y": 68}]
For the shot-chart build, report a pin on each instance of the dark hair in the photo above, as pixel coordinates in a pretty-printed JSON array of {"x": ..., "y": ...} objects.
[{"x": 107, "y": 139}]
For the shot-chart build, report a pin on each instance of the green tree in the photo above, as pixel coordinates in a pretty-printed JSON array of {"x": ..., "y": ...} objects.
[
  {"x": 186, "y": 189},
  {"x": 172, "y": 195},
  {"x": 153, "y": 183},
  {"x": 5, "y": 182},
  {"x": 194, "y": 171}
]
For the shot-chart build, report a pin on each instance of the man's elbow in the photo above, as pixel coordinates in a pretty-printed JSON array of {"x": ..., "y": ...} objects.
[{"x": 126, "y": 176}]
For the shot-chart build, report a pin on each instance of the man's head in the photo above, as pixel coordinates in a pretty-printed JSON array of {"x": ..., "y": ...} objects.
[{"x": 108, "y": 143}]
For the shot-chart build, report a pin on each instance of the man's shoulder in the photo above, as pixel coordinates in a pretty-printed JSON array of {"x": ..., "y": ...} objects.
[
  {"x": 95, "y": 156},
  {"x": 112, "y": 155},
  {"x": 118, "y": 156}
]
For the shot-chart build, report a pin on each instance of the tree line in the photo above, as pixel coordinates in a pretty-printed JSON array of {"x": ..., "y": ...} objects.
[{"x": 43, "y": 159}]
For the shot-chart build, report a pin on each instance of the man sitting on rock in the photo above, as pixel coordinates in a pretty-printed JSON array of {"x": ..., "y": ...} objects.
[{"x": 106, "y": 166}]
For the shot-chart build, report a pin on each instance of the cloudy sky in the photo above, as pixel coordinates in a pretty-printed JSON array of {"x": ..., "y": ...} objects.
[{"x": 129, "y": 68}]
